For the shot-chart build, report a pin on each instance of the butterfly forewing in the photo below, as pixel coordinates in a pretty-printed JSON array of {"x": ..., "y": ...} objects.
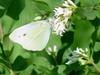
[{"x": 33, "y": 36}]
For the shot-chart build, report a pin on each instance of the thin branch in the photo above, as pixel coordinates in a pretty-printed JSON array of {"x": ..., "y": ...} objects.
[
  {"x": 95, "y": 66},
  {"x": 1, "y": 46}
]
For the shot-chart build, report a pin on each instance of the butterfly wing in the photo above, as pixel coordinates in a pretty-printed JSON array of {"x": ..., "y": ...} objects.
[{"x": 33, "y": 36}]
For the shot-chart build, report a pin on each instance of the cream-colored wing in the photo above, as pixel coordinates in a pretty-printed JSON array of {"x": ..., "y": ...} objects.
[{"x": 33, "y": 36}]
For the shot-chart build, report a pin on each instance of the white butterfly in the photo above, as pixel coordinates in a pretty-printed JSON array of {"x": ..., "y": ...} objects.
[{"x": 33, "y": 36}]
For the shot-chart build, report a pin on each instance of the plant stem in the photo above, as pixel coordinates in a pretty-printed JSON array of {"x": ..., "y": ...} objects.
[
  {"x": 86, "y": 70},
  {"x": 2, "y": 49},
  {"x": 7, "y": 59},
  {"x": 98, "y": 70},
  {"x": 91, "y": 61},
  {"x": 55, "y": 60},
  {"x": 12, "y": 72}
]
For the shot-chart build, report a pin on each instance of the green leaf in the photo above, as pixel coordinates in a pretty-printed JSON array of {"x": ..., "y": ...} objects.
[
  {"x": 27, "y": 15},
  {"x": 87, "y": 12},
  {"x": 98, "y": 34},
  {"x": 52, "y": 3},
  {"x": 61, "y": 69},
  {"x": 88, "y": 3},
  {"x": 97, "y": 46},
  {"x": 54, "y": 40},
  {"x": 4, "y": 6},
  {"x": 92, "y": 73},
  {"x": 37, "y": 60},
  {"x": 41, "y": 65},
  {"x": 7, "y": 24},
  {"x": 18, "y": 51},
  {"x": 97, "y": 11},
  {"x": 44, "y": 10},
  {"x": 6, "y": 3},
  {"x": 28, "y": 71},
  {"x": 4, "y": 70},
  {"x": 83, "y": 33}
]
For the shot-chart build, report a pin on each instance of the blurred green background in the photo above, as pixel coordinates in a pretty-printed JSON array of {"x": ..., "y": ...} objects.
[{"x": 84, "y": 33}]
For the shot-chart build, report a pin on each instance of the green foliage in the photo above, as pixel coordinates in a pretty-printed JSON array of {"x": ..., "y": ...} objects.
[{"x": 84, "y": 33}]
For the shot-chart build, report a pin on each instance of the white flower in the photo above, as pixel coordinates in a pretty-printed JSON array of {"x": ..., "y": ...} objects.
[
  {"x": 78, "y": 55},
  {"x": 81, "y": 52},
  {"x": 61, "y": 15}
]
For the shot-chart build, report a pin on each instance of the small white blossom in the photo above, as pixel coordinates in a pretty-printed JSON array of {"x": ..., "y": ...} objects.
[
  {"x": 53, "y": 50},
  {"x": 59, "y": 11},
  {"x": 71, "y": 61},
  {"x": 67, "y": 12},
  {"x": 49, "y": 50},
  {"x": 78, "y": 55},
  {"x": 37, "y": 18},
  {"x": 66, "y": 4}
]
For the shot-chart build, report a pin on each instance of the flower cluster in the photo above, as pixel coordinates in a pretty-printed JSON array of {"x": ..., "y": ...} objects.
[
  {"x": 61, "y": 15},
  {"x": 78, "y": 55}
]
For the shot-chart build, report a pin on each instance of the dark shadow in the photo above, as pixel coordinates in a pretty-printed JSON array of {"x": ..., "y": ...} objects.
[
  {"x": 67, "y": 40},
  {"x": 34, "y": 72},
  {"x": 75, "y": 69},
  {"x": 20, "y": 64},
  {"x": 96, "y": 56},
  {"x": 68, "y": 37},
  {"x": 1, "y": 12},
  {"x": 15, "y": 8}
]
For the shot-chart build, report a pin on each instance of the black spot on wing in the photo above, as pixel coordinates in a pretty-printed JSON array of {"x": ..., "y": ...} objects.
[{"x": 24, "y": 34}]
